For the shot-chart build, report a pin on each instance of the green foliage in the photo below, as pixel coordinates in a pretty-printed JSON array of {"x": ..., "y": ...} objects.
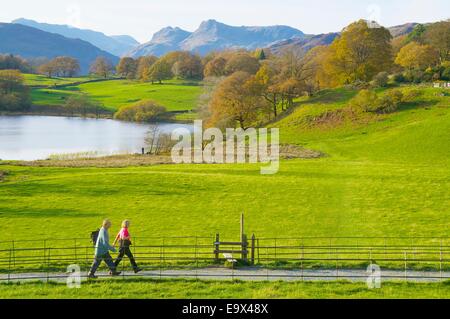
[
  {"x": 365, "y": 101},
  {"x": 260, "y": 55},
  {"x": 417, "y": 34},
  {"x": 143, "y": 111},
  {"x": 445, "y": 71}
]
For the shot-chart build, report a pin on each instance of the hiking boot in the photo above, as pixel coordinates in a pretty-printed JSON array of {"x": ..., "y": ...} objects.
[
  {"x": 115, "y": 273},
  {"x": 92, "y": 276},
  {"x": 136, "y": 270}
]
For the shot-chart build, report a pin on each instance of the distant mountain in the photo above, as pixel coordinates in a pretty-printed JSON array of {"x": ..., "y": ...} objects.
[
  {"x": 165, "y": 40},
  {"x": 308, "y": 42},
  {"x": 125, "y": 39},
  {"x": 116, "y": 45},
  {"x": 215, "y": 36},
  {"x": 304, "y": 44},
  {"x": 30, "y": 42},
  {"x": 403, "y": 29}
]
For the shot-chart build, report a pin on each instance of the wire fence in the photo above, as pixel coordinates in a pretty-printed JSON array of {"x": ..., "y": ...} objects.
[{"x": 283, "y": 258}]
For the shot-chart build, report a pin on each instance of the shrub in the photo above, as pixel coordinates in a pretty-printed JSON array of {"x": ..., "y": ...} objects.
[
  {"x": 399, "y": 78},
  {"x": 359, "y": 85},
  {"x": 368, "y": 101},
  {"x": 411, "y": 95},
  {"x": 143, "y": 111},
  {"x": 381, "y": 79},
  {"x": 389, "y": 102},
  {"x": 365, "y": 101},
  {"x": 81, "y": 104},
  {"x": 3, "y": 174},
  {"x": 414, "y": 76}
]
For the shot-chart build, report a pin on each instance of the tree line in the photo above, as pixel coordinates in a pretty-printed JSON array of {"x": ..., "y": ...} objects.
[{"x": 364, "y": 56}]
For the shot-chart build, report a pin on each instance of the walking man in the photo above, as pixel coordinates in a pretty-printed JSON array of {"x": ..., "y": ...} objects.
[{"x": 102, "y": 248}]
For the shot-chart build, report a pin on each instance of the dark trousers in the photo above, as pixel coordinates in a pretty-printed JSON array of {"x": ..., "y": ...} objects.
[
  {"x": 97, "y": 261},
  {"x": 125, "y": 250}
]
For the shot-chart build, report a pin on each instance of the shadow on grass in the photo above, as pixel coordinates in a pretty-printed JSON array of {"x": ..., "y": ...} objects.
[{"x": 7, "y": 212}]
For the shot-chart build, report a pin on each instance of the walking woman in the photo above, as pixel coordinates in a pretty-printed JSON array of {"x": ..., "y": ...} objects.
[{"x": 124, "y": 239}]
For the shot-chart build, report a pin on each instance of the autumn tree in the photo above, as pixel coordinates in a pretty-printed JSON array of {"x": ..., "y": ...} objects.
[
  {"x": 359, "y": 53},
  {"x": 127, "y": 67},
  {"x": 144, "y": 65},
  {"x": 242, "y": 61},
  {"x": 159, "y": 71},
  {"x": 215, "y": 67},
  {"x": 13, "y": 62},
  {"x": 101, "y": 67},
  {"x": 438, "y": 36},
  {"x": 416, "y": 56},
  {"x": 265, "y": 82},
  {"x": 283, "y": 78},
  {"x": 314, "y": 60},
  {"x": 188, "y": 66},
  {"x": 233, "y": 102},
  {"x": 48, "y": 68},
  {"x": 66, "y": 66},
  {"x": 62, "y": 66}
]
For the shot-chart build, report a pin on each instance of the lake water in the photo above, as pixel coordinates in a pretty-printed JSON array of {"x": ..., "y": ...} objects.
[{"x": 37, "y": 137}]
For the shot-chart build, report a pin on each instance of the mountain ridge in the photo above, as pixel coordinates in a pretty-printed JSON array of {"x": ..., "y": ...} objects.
[
  {"x": 116, "y": 45},
  {"x": 212, "y": 35},
  {"x": 29, "y": 42}
]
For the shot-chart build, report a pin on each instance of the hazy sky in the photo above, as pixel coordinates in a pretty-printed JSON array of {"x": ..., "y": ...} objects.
[{"x": 141, "y": 18}]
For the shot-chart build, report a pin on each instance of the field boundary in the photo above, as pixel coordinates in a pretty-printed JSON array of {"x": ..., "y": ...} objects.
[{"x": 407, "y": 258}]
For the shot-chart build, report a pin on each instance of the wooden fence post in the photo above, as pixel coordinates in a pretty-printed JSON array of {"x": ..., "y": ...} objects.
[
  {"x": 244, "y": 244},
  {"x": 217, "y": 248},
  {"x": 253, "y": 250},
  {"x": 244, "y": 248}
]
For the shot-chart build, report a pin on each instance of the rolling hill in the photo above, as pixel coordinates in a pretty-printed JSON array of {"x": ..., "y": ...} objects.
[
  {"x": 30, "y": 42},
  {"x": 115, "y": 45}
]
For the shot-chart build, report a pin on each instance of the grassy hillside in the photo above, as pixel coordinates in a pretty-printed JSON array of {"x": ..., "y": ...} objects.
[
  {"x": 416, "y": 134},
  {"x": 42, "y": 80},
  {"x": 175, "y": 95}
]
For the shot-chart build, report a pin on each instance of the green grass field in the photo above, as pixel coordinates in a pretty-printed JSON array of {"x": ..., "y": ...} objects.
[
  {"x": 42, "y": 80},
  {"x": 175, "y": 95},
  {"x": 191, "y": 289},
  {"x": 383, "y": 175},
  {"x": 387, "y": 177}
]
